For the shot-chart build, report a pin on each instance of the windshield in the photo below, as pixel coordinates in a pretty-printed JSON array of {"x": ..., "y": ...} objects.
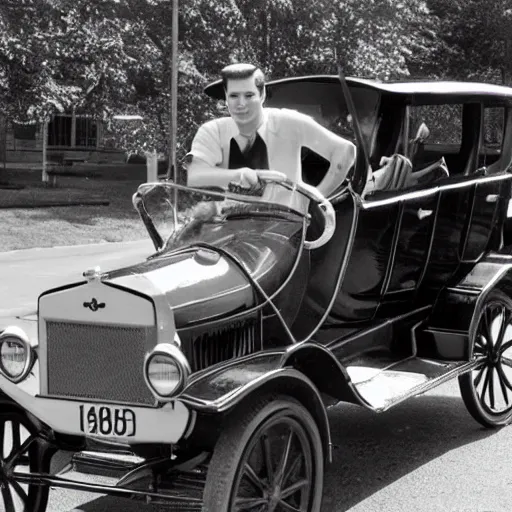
[{"x": 178, "y": 216}]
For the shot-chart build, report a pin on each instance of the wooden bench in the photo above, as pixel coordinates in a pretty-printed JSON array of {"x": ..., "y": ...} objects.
[
  {"x": 70, "y": 160},
  {"x": 55, "y": 165}
]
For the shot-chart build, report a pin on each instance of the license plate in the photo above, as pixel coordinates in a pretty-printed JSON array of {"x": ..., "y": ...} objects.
[{"x": 103, "y": 420}]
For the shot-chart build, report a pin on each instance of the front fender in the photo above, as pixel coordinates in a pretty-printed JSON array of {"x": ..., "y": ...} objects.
[
  {"x": 221, "y": 389},
  {"x": 457, "y": 309}
]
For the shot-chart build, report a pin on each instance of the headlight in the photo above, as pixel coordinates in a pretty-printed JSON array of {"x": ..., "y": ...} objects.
[
  {"x": 16, "y": 354},
  {"x": 166, "y": 370}
]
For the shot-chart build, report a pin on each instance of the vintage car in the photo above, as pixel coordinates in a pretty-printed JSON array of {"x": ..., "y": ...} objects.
[{"x": 200, "y": 378}]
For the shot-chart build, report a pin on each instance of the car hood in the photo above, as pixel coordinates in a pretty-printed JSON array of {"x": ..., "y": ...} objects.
[{"x": 197, "y": 285}]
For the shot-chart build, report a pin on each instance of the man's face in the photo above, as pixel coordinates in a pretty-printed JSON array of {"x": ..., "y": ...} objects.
[{"x": 245, "y": 103}]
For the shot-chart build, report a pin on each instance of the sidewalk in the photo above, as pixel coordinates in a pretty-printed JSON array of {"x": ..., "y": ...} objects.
[
  {"x": 25, "y": 274},
  {"x": 103, "y": 169}
]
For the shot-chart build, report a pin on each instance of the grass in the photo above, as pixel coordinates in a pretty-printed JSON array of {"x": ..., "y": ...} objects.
[{"x": 38, "y": 225}]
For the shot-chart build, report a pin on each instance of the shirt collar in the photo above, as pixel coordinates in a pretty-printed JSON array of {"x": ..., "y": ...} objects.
[{"x": 266, "y": 126}]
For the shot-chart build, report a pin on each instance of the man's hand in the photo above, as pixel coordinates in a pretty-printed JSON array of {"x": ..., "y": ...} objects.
[
  {"x": 248, "y": 182},
  {"x": 252, "y": 182},
  {"x": 248, "y": 178}
]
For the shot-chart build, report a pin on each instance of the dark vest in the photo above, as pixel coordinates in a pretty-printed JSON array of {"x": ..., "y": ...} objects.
[{"x": 255, "y": 157}]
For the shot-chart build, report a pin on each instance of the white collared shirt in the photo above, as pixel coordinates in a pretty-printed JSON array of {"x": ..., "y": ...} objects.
[{"x": 284, "y": 132}]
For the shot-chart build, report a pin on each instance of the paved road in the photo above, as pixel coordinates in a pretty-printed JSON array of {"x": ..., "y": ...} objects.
[
  {"x": 24, "y": 274},
  {"x": 426, "y": 455}
]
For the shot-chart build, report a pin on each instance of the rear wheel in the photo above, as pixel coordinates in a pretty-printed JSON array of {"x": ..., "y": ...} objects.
[
  {"x": 268, "y": 459},
  {"x": 15, "y": 432},
  {"x": 487, "y": 390}
]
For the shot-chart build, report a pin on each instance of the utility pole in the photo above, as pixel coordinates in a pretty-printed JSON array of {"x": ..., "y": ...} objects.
[
  {"x": 506, "y": 72},
  {"x": 172, "y": 171},
  {"x": 44, "y": 177}
]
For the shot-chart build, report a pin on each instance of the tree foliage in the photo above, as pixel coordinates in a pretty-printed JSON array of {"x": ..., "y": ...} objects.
[
  {"x": 475, "y": 39},
  {"x": 58, "y": 54},
  {"x": 109, "y": 57}
]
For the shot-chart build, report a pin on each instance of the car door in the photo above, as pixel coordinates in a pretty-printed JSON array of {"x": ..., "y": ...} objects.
[
  {"x": 411, "y": 251},
  {"x": 492, "y": 188},
  {"x": 454, "y": 134},
  {"x": 490, "y": 195},
  {"x": 389, "y": 254},
  {"x": 369, "y": 260},
  {"x": 449, "y": 235}
]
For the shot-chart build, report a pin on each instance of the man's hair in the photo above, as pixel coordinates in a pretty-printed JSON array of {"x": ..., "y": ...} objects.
[{"x": 241, "y": 71}]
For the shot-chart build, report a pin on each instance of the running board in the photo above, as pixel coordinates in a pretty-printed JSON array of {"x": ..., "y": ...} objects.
[
  {"x": 105, "y": 463},
  {"x": 382, "y": 388},
  {"x": 174, "y": 501},
  {"x": 122, "y": 472}
]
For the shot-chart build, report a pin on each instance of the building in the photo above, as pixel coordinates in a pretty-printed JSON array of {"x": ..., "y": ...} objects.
[{"x": 73, "y": 136}]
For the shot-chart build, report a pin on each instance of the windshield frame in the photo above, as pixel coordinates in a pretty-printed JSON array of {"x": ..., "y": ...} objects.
[{"x": 216, "y": 194}]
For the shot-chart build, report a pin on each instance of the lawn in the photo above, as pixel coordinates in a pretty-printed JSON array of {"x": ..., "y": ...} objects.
[{"x": 100, "y": 208}]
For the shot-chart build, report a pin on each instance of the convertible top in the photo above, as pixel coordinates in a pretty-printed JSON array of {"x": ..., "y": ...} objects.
[{"x": 455, "y": 90}]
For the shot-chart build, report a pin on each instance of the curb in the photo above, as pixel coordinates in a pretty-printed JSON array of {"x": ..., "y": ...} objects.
[
  {"x": 92, "y": 247},
  {"x": 88, "y": 202}
]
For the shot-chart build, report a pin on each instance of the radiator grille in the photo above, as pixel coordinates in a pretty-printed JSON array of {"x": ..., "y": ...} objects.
[
  {"x": 232, "y": 341},
  {"x": 97, "y": 361}
]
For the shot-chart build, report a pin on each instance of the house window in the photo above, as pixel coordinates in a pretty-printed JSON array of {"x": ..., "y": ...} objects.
[
  {"x": 72, "y": 131},
  {"x": 86, "y": 132},
  {"x": 59, "y": 131},
  {"x": 25, "y": 131}
]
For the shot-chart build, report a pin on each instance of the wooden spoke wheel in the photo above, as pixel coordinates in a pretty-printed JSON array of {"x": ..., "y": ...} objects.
[
  {"x": 19, "y": 454},
  {"x": 269, "y": 459},
  {"x": 487, "y": 390}
]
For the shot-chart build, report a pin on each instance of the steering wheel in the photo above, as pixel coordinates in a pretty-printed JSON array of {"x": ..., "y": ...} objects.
[{"x": 317, "y": 198}]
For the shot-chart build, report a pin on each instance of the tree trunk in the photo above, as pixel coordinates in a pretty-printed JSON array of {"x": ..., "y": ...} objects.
[
  {"x": 44, "y": 176},
  {"x": 172, "y": 171},
  {"x": 506, "y": 74},
  {"x": 151, "y": 166},
  {"x": 3, "y": 151},
  {"x": 265, "y": 36}
]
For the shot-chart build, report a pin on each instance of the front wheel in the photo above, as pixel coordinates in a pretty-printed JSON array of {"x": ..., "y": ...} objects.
[
  {"x": 487, "y": 390},
  {"x": 19, "y": 454},
  {"x": 269, "y": 458}
]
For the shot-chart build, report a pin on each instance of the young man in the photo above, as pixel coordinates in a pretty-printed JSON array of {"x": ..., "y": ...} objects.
[{"x": 233, "y": 149}]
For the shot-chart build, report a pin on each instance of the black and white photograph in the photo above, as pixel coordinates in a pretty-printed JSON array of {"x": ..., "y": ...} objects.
[{"x": 255, "y": 255}]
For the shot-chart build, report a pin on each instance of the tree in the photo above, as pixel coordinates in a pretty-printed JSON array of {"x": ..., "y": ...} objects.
[
  {"x": 476, "y": 37},
  {"x": 111, "y": 57},
  {"x": 380, "y": 38},
  {"x": 58, "y": 55}
]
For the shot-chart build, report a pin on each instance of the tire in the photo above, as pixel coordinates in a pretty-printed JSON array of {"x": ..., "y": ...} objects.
[
  {"x": 259, "y": 434},
  {"x": 15, "y": 427},
  {"x": 487, "y": 390}
]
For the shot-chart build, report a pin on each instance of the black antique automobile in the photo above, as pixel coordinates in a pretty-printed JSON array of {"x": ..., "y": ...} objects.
[{"x": 201, "y": 377}]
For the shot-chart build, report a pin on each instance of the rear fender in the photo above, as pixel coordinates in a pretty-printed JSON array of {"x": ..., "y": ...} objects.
[
  {"x": 219, "y": 390},
  {"x": 457, "y": 309}
]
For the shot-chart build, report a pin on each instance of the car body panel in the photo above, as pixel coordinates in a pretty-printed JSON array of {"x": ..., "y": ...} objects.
[{"x": 176, "y": 279}]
